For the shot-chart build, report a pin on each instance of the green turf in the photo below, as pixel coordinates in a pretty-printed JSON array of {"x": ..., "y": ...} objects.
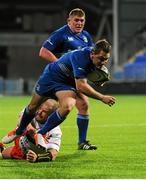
[{"x": 119, "y": 132}]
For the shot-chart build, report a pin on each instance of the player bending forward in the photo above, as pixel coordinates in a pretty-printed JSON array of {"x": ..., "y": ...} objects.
[{"x": 24, "y": 148}]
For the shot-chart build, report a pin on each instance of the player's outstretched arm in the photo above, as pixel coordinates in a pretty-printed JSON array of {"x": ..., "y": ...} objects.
[{"x": 85, "y": 88}]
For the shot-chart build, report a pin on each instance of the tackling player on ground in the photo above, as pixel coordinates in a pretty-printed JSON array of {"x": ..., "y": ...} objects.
[{"x": 25, "y": 149}]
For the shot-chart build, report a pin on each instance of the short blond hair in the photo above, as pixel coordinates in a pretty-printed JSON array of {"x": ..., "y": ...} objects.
[{"x": 77, "y": 12}]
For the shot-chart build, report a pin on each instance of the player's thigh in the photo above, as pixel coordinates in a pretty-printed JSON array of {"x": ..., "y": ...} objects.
[{"x": 66, "y": 98}]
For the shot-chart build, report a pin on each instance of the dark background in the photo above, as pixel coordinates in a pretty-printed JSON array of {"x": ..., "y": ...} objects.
[{"x": 24, "y": 25}]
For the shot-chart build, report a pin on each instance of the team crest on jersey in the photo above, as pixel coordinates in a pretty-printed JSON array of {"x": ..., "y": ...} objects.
[
  {"x": 37, "y": 87},
  {"x": 85, "y": 39},
  {"x": 70, "y": 39}
]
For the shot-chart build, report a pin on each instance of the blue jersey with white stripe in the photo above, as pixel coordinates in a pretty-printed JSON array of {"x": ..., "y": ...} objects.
[
  {"x": 60, "y": 75},
  {"x": 75, "y": 64},
  {"x": 64, "y": 40}
]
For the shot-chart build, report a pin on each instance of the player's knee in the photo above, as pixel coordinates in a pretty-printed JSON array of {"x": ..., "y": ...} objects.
[
  {"x": 82, "y": 105},
  {"x": 68, "y": 107}
]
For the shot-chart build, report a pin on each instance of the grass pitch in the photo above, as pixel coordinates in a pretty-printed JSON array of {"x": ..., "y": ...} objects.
[{"x": 118, "y": 131}]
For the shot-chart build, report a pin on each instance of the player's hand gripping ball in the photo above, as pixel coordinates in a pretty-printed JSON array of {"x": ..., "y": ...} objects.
[{"x": 99, "y": 76}]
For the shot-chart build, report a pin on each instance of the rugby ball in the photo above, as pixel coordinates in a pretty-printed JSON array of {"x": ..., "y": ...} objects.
[
  {"x": 27, "y": 143},
  {"x": 99, "y": 75}
]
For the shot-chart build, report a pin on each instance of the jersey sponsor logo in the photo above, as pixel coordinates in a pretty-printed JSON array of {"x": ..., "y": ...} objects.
[
  {"x": 70, "y": 39},
  {"x": 85, "y": 39},
  {"x": 37, "y": 87}
]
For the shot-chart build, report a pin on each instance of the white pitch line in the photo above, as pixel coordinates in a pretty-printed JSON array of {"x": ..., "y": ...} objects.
[
  {"x": 101, "y": 126},
  {"x": 111, "y": 125}
]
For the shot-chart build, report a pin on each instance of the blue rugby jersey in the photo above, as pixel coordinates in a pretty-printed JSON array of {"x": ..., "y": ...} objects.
[
  {"x": 63, "y": 40},
  {"x": 75, "y": 64},
  {"x": 61, "y": 74}
]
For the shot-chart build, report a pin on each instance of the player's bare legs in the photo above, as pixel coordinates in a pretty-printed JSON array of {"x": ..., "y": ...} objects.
[
  {"x": 82, "y": 105},
  {"x": 67, "y": 100}
]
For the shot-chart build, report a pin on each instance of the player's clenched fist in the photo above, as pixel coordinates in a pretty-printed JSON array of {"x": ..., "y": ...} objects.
[{"x": 110, "y": 100}]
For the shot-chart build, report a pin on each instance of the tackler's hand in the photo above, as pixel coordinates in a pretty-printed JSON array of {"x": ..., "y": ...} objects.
[{"x": 31, "y": 156}]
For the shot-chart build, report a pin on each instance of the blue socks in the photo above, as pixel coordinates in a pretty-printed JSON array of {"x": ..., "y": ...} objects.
[
  {"x": 25, "y": 120},
  {"x": 82, "y": 122},
  {"x": 52, "y": 121}
]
